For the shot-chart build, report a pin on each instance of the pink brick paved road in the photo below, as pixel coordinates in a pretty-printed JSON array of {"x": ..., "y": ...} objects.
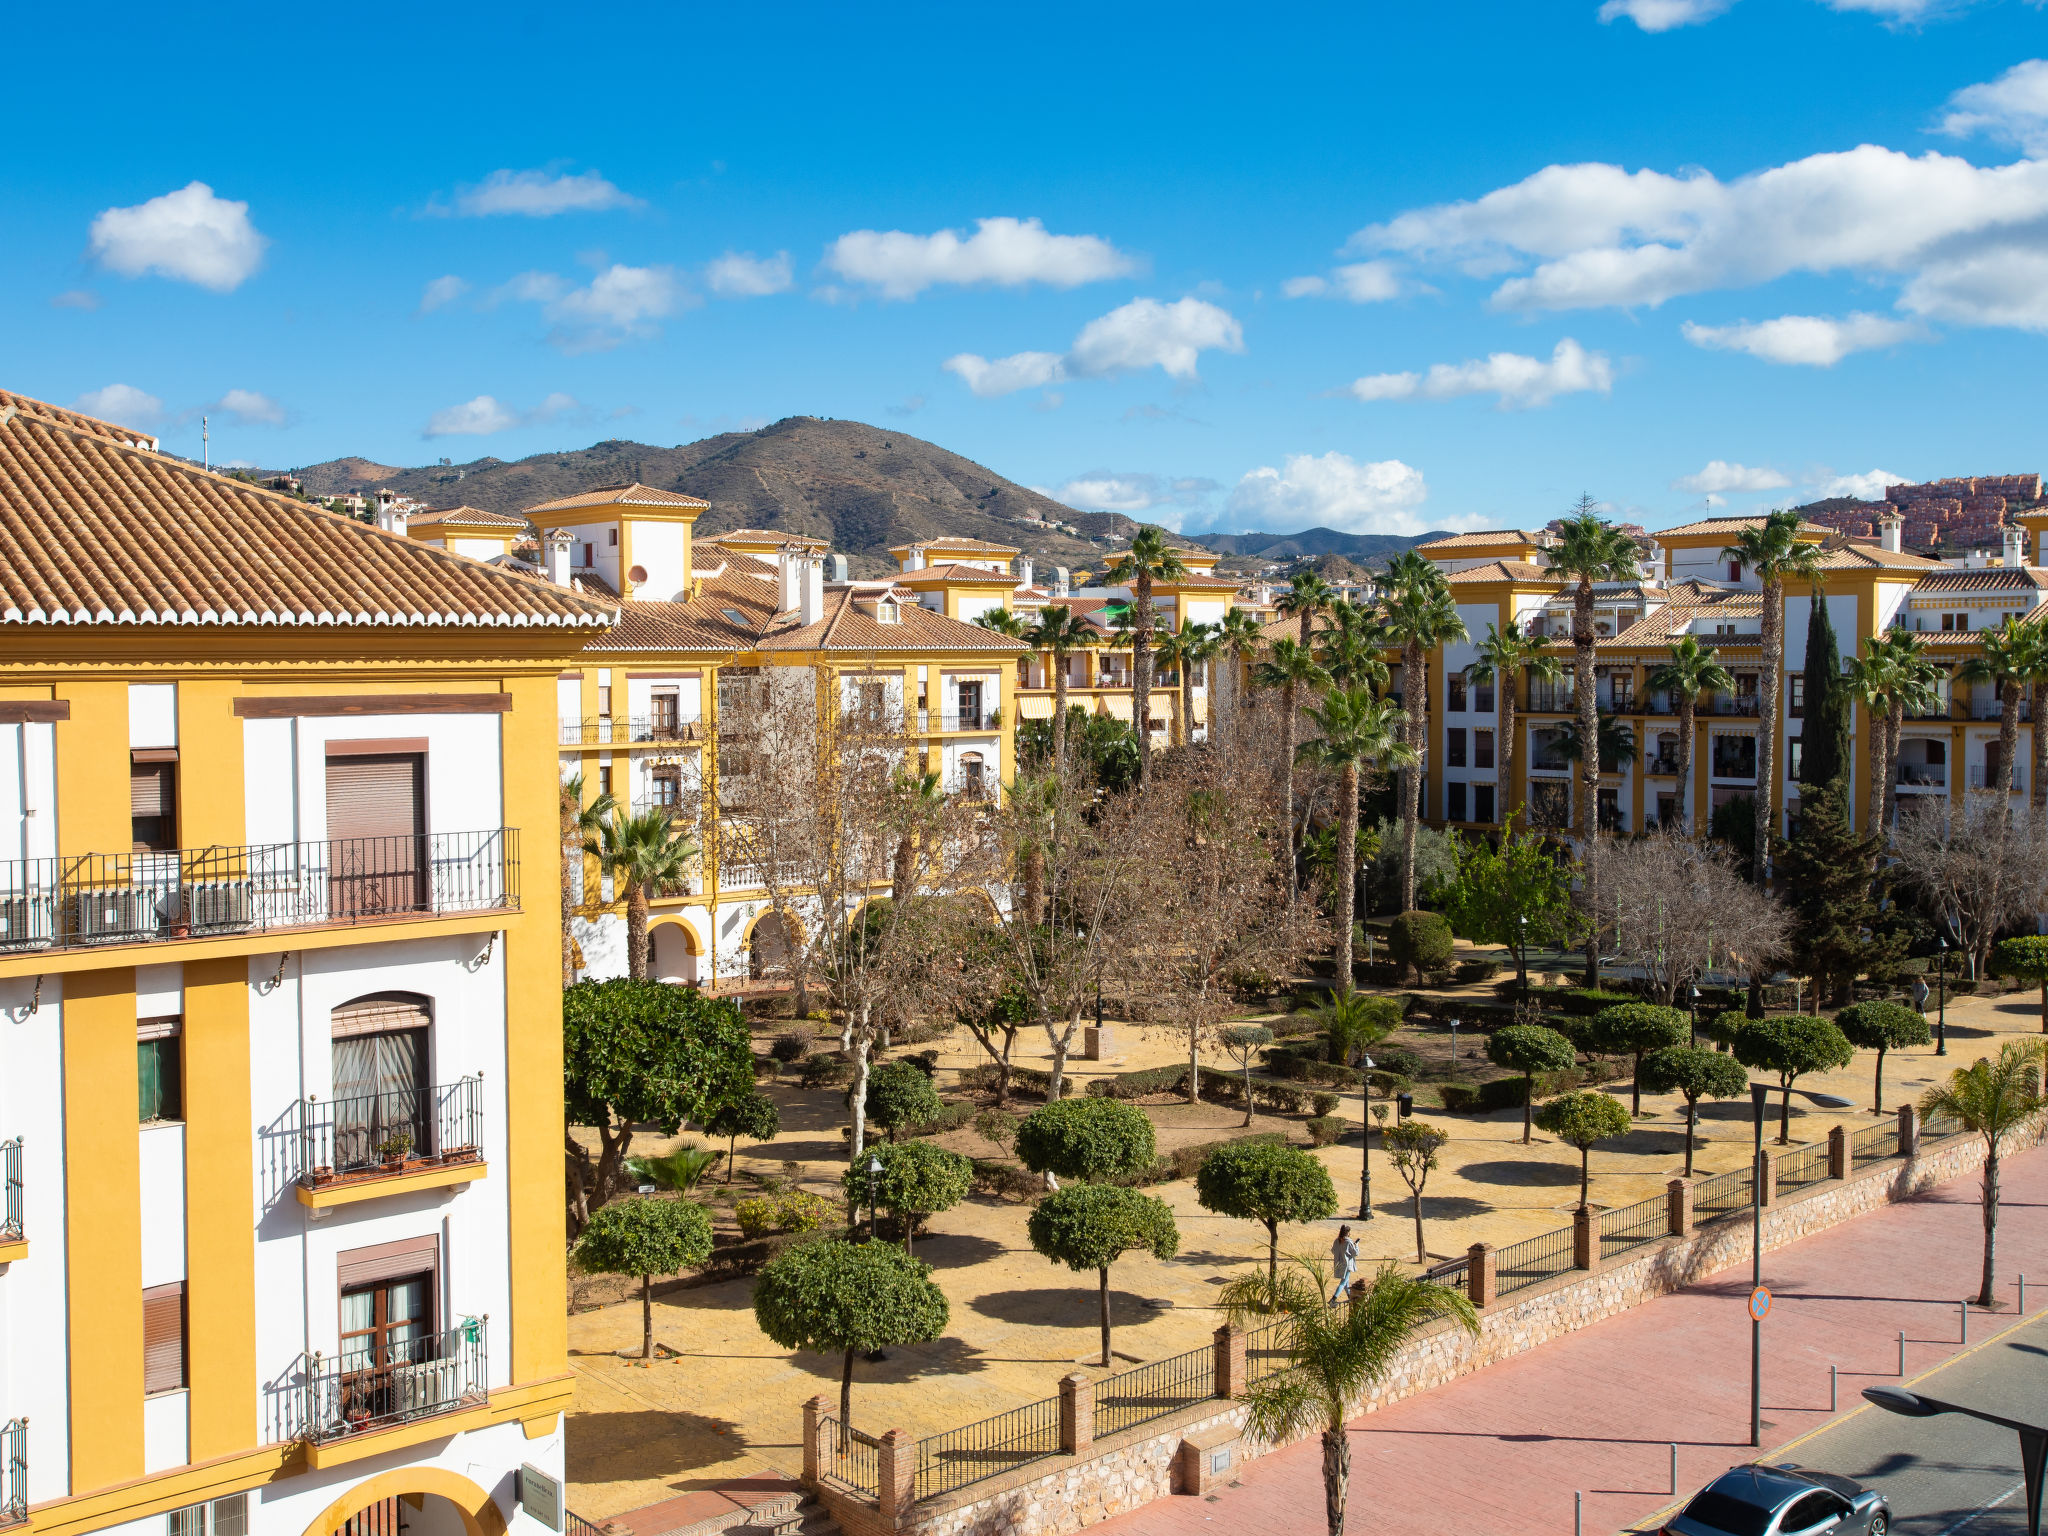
[{"x": 1500, "y": 1452}]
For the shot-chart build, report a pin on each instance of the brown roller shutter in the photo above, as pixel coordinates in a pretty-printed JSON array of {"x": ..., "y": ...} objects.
[
  {"x": 153, "y": 805},
  {"x": 379, "y": 1015},
  {"x": 163, "y": 1338},
  {"x": 401, "y": 1260},
  {"x": 376, "y": 818}
]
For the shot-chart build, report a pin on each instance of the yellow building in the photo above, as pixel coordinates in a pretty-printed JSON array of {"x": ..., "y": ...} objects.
[{"x": 280, "y": 1029}]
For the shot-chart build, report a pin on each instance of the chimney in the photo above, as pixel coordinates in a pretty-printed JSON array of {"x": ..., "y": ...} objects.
[
  {"x": 1024, "y": 572},
  {"x": 1891, "y": 530},
  {"x": 787, "y": 577},
  {"x": 837, "y": 564},
  {"x": 555, "y": 548},
  {"x": 914, "y": 561},
  {"x": 2015, "y": 546},
  {"x": 389, "y": 518},
  {"x": 810, "y": 572},
  {"x": 1062, "y": 584}
]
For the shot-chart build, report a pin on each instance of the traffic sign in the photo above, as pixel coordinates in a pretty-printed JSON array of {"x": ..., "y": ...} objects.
[{"x": 1759, "y": 1302}]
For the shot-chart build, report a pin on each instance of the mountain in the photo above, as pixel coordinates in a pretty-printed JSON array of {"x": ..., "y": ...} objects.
[
  {"x": 1317, "y": 541},
  {"x": 864, "y": 488}
]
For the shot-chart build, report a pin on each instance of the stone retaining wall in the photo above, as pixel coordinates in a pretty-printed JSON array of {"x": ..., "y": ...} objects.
[{"x": 1119, "y": 1473}]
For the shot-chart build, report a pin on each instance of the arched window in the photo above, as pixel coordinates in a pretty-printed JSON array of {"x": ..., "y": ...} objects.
[
  {"x": 379, "y": 1097},
  {"x": 973, "y": 780}
]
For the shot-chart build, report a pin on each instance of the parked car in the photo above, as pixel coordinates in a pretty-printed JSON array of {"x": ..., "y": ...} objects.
[{"x": 1785, "y": 1500}]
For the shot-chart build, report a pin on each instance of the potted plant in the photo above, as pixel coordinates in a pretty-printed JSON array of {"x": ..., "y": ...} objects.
[{"x": 394, "y": 1147}]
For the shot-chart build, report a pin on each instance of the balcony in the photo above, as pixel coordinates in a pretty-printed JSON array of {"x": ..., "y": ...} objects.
[
  {"x": 1664, "y": 767},
  {"x": 13, "y": 1236},
  {"x": 971, "y": 720},
  {"x": 383, "y": 1143},
  {"x": 608, "y": 731},
  {"x": 13, "y": 1471},
  {"x": 1921, "y": 776},
  {"x": 1732, "y": 704},
  {"x": 360, "y": 1392},
  {"x": 140, "y": 898},
  {"x": 1983, "y": 777}
]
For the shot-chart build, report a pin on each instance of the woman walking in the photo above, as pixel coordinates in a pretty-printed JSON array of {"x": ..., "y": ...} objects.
[{"x": 1343, "y": 1259}]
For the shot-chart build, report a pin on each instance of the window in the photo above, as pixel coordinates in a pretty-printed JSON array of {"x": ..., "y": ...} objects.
[
  {"x": 604, "y": 781},
  {"x": 1792, "y": 756},
  {"x": 1622, "y": 691},
  {"x": 1482, "y": 803},
  {"x": 159, "y": 1071},
  {"x": 612, "y": 537},
  {"x": 970, "y": 706},
  {"x": 972, "y": 781},
  {"x": 1735, "y": 570},
  {"x": 870, "y": 700},
  {"x": 667, "y": 707},
  {"x": 1456, "y": 685},
  {"x": 225, "y": 1517},
  {"x": 378, "y": 801},
  {"x": 1454, "y": 747},
  {"x": 1454, "y": 800},
  {"x": 1734, "y": 757},
  {"x": 1667, "y": 810},
  {"x": 1812, "y": 1512},
  {"x": 665, "y": 788},
  {"x": 163, "y": 1338},
  {"x": 589, "y": 555},
  {"x": 604, "y": 700},
  {"x": 1482, "y": 750},
  {"x": 1958, "y": 622},
  {"x": 1482, "y": 697},
  {"x": 387, "y": 1322},
  {"x": 1795, "y": 694},
  {"x": 153, "y": 800},
  {"x": 1609, "y": 803},
  {"x": 379, "y": 1093}
]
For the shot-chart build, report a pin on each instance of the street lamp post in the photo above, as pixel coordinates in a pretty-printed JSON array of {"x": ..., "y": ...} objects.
[
  {"x": 1522, "y": 928},
  {"x": 1759, "y": 1097},
  {"x": 1365, "y": 1140},
  {"x": 1941, "y": 1028},
  {"x": 874, "y": 1181},
  {"x": 2033, "y": 1438},
  {"x": 1454, "y": 1047},
  {"x": 1694, "y": 1038}
]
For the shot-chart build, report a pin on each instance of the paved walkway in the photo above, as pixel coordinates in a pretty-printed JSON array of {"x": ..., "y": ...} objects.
[{"x": 1503, "y": 1451}]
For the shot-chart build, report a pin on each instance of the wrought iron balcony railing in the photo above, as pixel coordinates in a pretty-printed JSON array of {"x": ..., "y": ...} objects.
[
  {"x": 131, "y": 898},
  {"x": 364, "y": 1390},
  {"x": 1733, "y": 704},
  {"x": 396, "y": 1131},
  {"x": 11, "y": 1229},
  {"x": 619, "y": 730},
  {"x": 1921, "y": 776},
  {"x": 13, "y": 1471}
]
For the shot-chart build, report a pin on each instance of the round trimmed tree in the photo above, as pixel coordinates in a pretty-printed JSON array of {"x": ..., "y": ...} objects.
[
  {"x": 1791, "y": 1045},
  {"x": 1634, "y": 1030},
  {"x": 848, "y": 1298},
  {"x": 1087, "y": 1139},
  {"x": 1259, "y": 1181},
  {"x": 1697, "y": 1074},
  {"x": 752, "y": 1115},
  {"x": 1583, "y": 1119},
  {"x": 2025, "y": 959},
  {"x": 645, "y": 1237},
  {"x": 917, "y": 1179},
  {"x": 1090, "y": 1226},
  {"x": 1529, "y": 1049},
  {"x": 900, "y": 1094},
  {"x": 1420, "y": 940},
  {"x": 1879, "y": 1027}
]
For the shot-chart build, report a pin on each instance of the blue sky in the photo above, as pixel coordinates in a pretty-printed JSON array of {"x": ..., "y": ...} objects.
[{"x": 1385, "y": 267}]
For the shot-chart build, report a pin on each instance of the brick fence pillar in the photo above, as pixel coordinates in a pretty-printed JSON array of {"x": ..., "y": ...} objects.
[
  {"x": 1838, "y": 1153},
  {"x": 1077, "y": 1414},
  {"x": 1479, "y": 1274},
  {"x": 1231, "y": 1377},
  {"x": 1909, "y": 1131},
  {"x": 1585, "y": 1239},
  {"x": 1678, "y": 1207},
  {"x": 814, "y": 1427},
  {"x": 1767, "y": 1178},
  {"x": 896, "y": 1467}
]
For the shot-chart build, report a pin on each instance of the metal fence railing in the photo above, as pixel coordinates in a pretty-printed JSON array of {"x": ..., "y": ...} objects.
[
  {"x": 1265, "y": 1353},
  {"x": 1153, "y": 1391},
  {"x": 1630, "y": 1226},
  {"x": 574, "y": 1524},
  {"x": 129, "y": 898},
  {"x": 361, "y": 1390},
  {"x": 609, "y": 730},
  {"x": 1940, "y": 1128},
  {"x": 10, "y": 1190},
  {"x": 1452, "y": 1272},
  {"x": 974, "y": 1451},
  {"x": 850, "y": 1457},
  {"x": 1723, "y": 1194},
  {"x": 1800, "y": 1167},
  {"x": 439, "y": 1124},
  {"x": 13, "y": 1471},
  {"x": 1874, "y": 1143},
  {"x": 1532, "y": 1261}
]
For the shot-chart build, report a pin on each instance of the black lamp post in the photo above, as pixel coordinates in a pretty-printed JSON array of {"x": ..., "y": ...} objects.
[
  {"x": 1941, "y": 1026},
  {"x": 1694, "y": 1038},
  {"x": 874, "y": 1182},
  {"x": 1522, "y": 922},
  {"x": 2033, "y": 1438},
  {"x": 1365, "y": 1140},
  {"x": 1759, "y": 1098}
]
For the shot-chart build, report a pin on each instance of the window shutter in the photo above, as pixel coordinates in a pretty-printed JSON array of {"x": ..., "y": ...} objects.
[
  {"x": 163, "y": 1338},
  {"x": 390, "y": 1261},
  {"x": 380, "y": 1014},
  {"x": 146, "y": 788},
  {"x": 380, "y": 795}
]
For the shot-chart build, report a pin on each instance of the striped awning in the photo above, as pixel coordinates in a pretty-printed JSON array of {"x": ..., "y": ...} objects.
[
  {"x": 1117, "y": 705},
  {"x": 1033, "y": 707}
]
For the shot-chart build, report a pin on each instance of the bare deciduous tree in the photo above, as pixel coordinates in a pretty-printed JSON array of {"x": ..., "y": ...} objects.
[
  {"x": 1973, "y": 874},
  {"x": 1681, "y": 908}
]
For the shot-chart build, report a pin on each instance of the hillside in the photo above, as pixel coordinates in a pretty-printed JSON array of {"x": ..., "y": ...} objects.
[
  {"x": 864, "y": 488},
  {"x": 1363, "y": 547}
]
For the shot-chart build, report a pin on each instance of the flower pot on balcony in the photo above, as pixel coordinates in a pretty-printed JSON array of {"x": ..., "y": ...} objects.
[{"x": 320, "y": 1176}]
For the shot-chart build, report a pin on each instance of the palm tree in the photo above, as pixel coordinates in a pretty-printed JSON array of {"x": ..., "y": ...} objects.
[
  {"x": 1589, "y": 550},
  {"x": 1691, "y": 671},
  {"x": 1034, "y": 803},
  {"x": 1240, "y": 636},
  {"x": 1334, "y": 1354},
  {"x": 644, "y": 853},
  {"x": 921, "y": 794},
  {"x": 579, "y": 825},
  {"x": 2008, "y": 659},
  {"x": 1774, "y": 551},
  {"x": 1306, "y": 596},
  {"x": 1355, "y": 729},
  {"x": 2037, "y": 714},
  {"x": 1059, "y": 633},
  {"x": 1149, "y": 559},
  {"x": 1505, "y": 657},
  {"x": 1872, "y": 678},
  {"x": 1420, "y": 616},
  {"x": 1352, "y": 640},
  {"x": 1291, "y": 667},
  {"x": 1916, "y": 689},
  {"x": 1004, "y": 621},
  {"x": 1185, "y": 649},
  {"x": 1617, "y": 742},
  {"x": 1992, "y": 1097}
]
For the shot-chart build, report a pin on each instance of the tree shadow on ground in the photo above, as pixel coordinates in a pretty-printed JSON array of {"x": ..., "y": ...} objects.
[
  {"x": 956, "y": 1250},
  {"x": 645, "y": 1443},
  {"x": 1526, "y": 1172},
  {"x": 1064, "y": 1306},
  {"x": 1646, "y": 1141},
  {"x": 819, "y": 1151},
  {"x": 940, "y": 1357},
  {"x": 1435, "y": 1207}
]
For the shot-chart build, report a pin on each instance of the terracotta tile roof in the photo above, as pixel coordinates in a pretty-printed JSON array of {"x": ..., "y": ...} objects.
[
  {"x": 1726, "y": 525},
  {"x": 1994, "y": 579},
  {"x": 95, "y": 532},
  {"x": 767, "y": 536},
  {"x": 954, "y": 573},
  {"x": 1484, "y": 539},
  {"x": 706, "y": 623},
  {"x": 468, "y": 517},
  {"x": 1503, "y": 570},
  {"x": 963, "y": 545},
  {"x": 845, "y": 627},
  {"x": 621, "y": 495},
  {"x": 9, "y": 401},
  {"x": 1199, "y": 582},
  {"x": 1864, "y": 557}
]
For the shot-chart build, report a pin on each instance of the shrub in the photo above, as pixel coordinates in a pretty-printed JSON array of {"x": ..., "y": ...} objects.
[
  {"x": 786, "y": 1210},
  {"x": 917, "y": 1179},
  {"x": 1587, "y": 1000},
  {"x": 1420, "y": 939},
  {"x": 900, "y": 1094},
  {"x": 1458, "y": 1098},
  {"x": 1004, "y": 1179},
  {"x": 792, "y": 1045},
  {"x": 1398, "y": 1058},
  {"x": 1278, "y": 1098},
  {"x": 824, "y": 1071},
  {"x": 920, "y": 1033},
  {"x": 1085, "y": 1139},
  {"x": 997, "y": 1126},
  {"x": 1140, "y": 1084},
  {"x": 1387, "y": 1084},
  {"x": 1324, "y": 1103},
  {"x": 1722, "y": 1026},
  {"x": 1325, "y": 1130}
]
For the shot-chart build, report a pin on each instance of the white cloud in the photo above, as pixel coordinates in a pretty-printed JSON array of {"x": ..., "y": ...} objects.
[
  {"x": 619, "y": 304},
  {"x": 1663, "y": 15},
  {"x": 1597, "y": 235},
  {"x": 1519, "y": 381},
  {"x": 122, "y": 404},
  {"x": 1141, "y": 334},
  {"x": 1362, "y": 282},
  {"x": 1723, "y": 475},
  {"x": 190, "y": 235},
  {"x": 1332, "y": 490},
  {"x": 1820, "y": 341},
  {"x": 1868, "y": 486},
  {"x": 1898, "y": 12},
  {"x": 1003, "y": 252},
  {"x": 743, "y": 275},
  {"x": 76, "y": 298},
  {"x": 2013, "y": 108},
  {"x": 539, "y": 195},
  {"x": 249, "y": 408},
  {"x": 441, "y": 291},
  {"x": 485, "y": 415},
  {"x": 1104, "y": 490}
]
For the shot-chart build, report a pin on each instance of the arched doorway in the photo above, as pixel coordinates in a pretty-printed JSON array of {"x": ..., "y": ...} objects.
[
  {"x": 673, "y": 953},
  {"x": 412, "y": 1501},
  {"x": 768, "y": 948}
]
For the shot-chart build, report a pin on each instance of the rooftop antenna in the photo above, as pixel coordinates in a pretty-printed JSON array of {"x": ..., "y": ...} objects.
[{"x": 205, "y": 444}]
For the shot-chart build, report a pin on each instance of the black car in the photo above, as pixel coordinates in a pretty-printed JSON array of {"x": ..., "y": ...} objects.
[{"x": 1785, "y": 1500}]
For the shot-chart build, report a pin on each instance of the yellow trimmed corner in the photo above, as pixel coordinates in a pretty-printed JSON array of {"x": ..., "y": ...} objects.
[
  {"x": 479, "y": 1511},
  {"x": 13, "y": 1248},
  {"x": 376, "y": 1186},
  {"x": 542, "y": 1427}
]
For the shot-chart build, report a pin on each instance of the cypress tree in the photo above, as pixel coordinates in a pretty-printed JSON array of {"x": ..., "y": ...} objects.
[
  {"x": 1825, "y": 870},
  {"x": 1824, "y": 731}
]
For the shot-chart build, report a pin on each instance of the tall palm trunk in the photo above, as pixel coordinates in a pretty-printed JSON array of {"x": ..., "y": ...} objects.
[
  {"x": 1288, "y": 726},
  {"x": 2037, "y": 786},
  {"x": 636, "y": 930},
  {"x": 1347, "y": 875},
  {"x": 1505, "y": 687},
  {"x": 1880, "y": 765},
  {"x": 1141, "y": 672},
  {"x": 1767, "y": 726},
  {"x": 1414, "y": 695},
  {"x": 1187, "y": 703},
  {"x": 1059, "y": 714},
  {"x": 2008, "y": 745},
  {"x": 1894, "y": 722},
  {"x": 1336, "y": 1476},
  {"x": 572, "y": 861},
  {"x": 1586, "y": 701},
  {"x": 1688, "y": 813},
  {"x": 1984, "y": 1296}
]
